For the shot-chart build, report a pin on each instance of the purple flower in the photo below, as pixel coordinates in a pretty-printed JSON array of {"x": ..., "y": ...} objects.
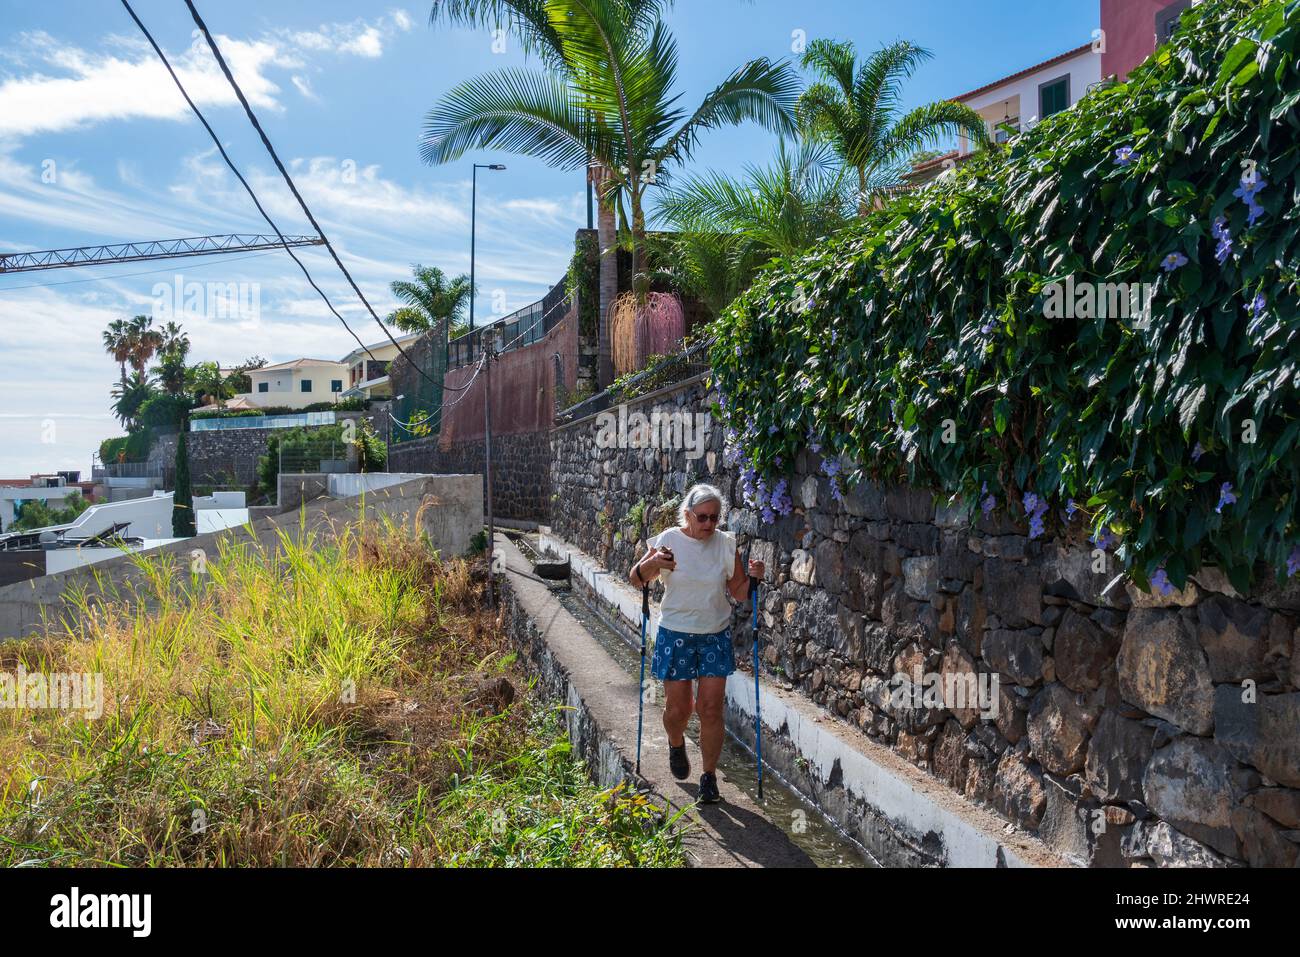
[
  {"x": 1124, "y": 156},
  {"x": 1105, "y": 539},
  {"x": 989, "y": 502},
  {"x": 1225, "y": 497},
  {"x": 1173, "y": 261},
  {"x": 1220, "y": 228},
  {"x": 1250, "y": 187},
  {"x": 1224, "y": 236},
  {"x": 836, "y": 493},
  {"x": 1035, "y": 508},
  {"x": 722, "y": 400},
  {"x": 1161, "y": 583},
  {"x": 771, "y": 429},
  {"x": 986, "y": 329},
  {"x": 1197, "y": 452},
  {"x": 831, "y": 467},
  {"x": 781, "y": 501},
  {"x": 1257, "y": 305},
  {"x": 1070, "y": 508},
  {"x": 835, "y": 334},
  {"x": 737, "y": 352},
  {"x": 1293, "y": 562},
  {"x": 768, "y": 516},
  {"x": 778, "y": 462}
]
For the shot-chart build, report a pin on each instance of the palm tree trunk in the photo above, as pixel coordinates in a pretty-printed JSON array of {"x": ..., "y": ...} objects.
[
  {"x": 862, "y": 191},
  {"x": 640, "y": 267},
  {"x": 607, "y": 239}
]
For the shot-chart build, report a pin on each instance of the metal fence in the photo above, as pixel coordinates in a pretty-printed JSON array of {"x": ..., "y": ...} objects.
[
  {"x": 126, "y": 470},
  {"x": 263, "y": 422},
  {"x": 521, "y": 328}
]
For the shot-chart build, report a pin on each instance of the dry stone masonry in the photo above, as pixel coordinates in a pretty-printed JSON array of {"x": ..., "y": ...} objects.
[{"x": 1127, "y": 729}]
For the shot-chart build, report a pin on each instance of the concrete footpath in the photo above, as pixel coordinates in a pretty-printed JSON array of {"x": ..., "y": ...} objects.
[{"x": 602, "y": 700}]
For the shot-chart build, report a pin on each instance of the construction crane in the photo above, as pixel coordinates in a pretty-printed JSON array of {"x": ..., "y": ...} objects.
[{"x": 140, "y": 252}]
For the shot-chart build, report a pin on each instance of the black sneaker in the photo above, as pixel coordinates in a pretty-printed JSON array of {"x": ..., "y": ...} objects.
[
  {"x": 709, "y": 788},
  {"x": 678, "y": 762}
]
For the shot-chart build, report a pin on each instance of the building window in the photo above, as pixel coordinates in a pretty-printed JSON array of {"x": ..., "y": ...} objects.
[
  {"x": 264, "y": 387},
  {"x": 1005, "y": 129},
  {"x": 306, "y": 385},
  {"x": 1053, "y": 97},
  {"x": 336, "y": 385},
  {"x": 1167, "y": 20}
]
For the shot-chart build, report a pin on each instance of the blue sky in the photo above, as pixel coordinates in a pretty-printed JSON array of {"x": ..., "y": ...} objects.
[{"x": 96, "y": 146}]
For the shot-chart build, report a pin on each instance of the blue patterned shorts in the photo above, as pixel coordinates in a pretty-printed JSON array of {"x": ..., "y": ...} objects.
[{"x": 683, "y": 655}]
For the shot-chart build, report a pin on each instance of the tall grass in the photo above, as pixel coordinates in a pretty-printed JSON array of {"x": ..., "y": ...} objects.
[{"x": 304, "y": 704}]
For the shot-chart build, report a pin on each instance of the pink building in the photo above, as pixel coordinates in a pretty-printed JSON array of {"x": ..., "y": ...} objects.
[{"x": 1133, "y": 29}]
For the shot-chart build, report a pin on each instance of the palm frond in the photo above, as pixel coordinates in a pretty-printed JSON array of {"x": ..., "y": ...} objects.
[
  {"x": 760, "y": 91},
  {"x": 928, "y": 126},
  {"x": 517, "y": 111}
]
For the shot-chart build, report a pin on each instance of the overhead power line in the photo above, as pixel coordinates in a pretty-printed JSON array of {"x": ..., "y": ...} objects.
[
  {"x": 240, "y": 176},
  {"x": 252, "y": 118}
]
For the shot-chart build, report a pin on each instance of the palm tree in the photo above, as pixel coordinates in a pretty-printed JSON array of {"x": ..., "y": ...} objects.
[
  {"x": 724, "y": 230},
  {"x": 206, "y": 379},
  {"x": 117, "y": 343},
  {"x": 428, "y": 300},
  {"x": 130, "y": 395},
  {"x": 606, "y": 99},
  {"x": 145, "y": 341},
  {"x": 856, "y": 110},
  {"x": 175, "y": 347}
]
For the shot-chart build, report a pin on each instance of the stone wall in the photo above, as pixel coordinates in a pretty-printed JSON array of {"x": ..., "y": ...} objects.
[
  {"x": 520, "y": 469},
  {"x": 226, "y": 457},
  {"x": 1123, "y": 729}
]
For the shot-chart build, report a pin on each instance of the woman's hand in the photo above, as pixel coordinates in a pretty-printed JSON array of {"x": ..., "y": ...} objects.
[
  {"x": 757, "y": 569},
  {"x": 662, "y": 559}
]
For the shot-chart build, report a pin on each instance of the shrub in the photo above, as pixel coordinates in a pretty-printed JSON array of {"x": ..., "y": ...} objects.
[{"x": 915, "y": 346}]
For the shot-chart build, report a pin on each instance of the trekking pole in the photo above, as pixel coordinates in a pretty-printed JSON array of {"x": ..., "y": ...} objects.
[
  {"x": 758, "y": 713},
  {"x": 640, "y": 694}
]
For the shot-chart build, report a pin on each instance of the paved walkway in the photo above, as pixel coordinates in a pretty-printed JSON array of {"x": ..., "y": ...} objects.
[{"x": 734, "y": 833}]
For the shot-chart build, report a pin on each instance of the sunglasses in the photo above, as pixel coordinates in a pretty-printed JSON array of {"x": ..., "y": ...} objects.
[{"x": 705, "y": 519}]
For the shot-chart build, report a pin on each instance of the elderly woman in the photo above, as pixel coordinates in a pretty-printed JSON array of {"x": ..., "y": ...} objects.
[{"x": 700, "y": 567}]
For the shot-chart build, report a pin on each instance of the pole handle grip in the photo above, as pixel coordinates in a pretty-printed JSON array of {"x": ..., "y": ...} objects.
[{"x": 645, "y": 600}]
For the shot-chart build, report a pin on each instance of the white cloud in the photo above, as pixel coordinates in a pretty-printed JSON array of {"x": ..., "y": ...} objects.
[
  {"x": 99, "y": 87},
  {"x": 303, "y": 85},
  {"x": 368, "y": 44},
  {"x": 69, "y": 88}
]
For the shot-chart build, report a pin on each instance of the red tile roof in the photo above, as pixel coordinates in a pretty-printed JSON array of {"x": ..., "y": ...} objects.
[{"x": 1069, "y": 54}]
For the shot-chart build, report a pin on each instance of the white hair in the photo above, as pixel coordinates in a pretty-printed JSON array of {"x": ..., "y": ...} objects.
[{"x": 698, "y": 495}]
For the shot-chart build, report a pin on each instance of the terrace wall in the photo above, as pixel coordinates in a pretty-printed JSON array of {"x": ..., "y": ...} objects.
[{"x": 1126, "y": 729}]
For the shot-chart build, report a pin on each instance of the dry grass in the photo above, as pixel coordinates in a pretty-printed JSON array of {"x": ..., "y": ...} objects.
[{"x": 303, "y": 705}]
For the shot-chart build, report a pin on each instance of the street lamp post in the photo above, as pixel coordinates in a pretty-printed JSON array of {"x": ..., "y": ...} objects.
[
  {"x": 487, "y": 382},
  {"x": 473, "y": 218}
]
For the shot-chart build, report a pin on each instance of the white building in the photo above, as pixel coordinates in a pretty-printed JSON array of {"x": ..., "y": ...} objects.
[{"x": 1020, "y": 100}]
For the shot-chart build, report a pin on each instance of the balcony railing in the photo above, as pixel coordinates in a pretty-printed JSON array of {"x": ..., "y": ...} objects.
[
  {"x": 262, "y": 422},
  {"x": 521, "y": 328},
  {"x": 126, "y": 470}
]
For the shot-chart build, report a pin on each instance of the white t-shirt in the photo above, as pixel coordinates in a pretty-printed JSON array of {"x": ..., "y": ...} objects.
[{"x": 695, "y": 596}]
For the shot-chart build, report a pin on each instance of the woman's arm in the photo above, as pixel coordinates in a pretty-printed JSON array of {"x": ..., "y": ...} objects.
[
  {"x": 738, "y": 583},
  {"x": 647, "y": 569}
]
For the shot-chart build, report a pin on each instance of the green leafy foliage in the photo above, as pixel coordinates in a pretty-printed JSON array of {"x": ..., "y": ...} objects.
[
  {"x": 932, "y": 312},
  {"x": 38, "y": 513}
]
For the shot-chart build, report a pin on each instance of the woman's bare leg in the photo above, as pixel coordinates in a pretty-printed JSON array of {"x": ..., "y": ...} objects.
[
  {"x": 677, "y": 710},
  {"x": 709, "y": 705}
]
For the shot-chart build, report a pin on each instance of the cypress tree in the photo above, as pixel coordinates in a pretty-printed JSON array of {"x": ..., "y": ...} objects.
[{"x": 183, "y": 499}]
